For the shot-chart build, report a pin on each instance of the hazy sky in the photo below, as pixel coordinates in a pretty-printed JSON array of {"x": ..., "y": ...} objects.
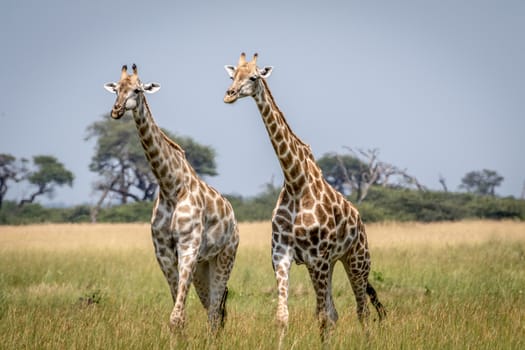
[{"x": 437, "y": 86}]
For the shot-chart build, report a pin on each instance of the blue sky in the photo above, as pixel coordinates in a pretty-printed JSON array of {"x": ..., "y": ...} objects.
[{"x": 436, "y": 86}]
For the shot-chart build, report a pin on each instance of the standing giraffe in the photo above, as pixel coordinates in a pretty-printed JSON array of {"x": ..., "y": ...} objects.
[
  {"x": 312, "y": 223},
  {"x": 193, "y": 227}
]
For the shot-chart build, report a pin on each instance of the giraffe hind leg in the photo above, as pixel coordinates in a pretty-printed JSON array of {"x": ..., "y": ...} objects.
[
  {"x": 220, "y": 270},
  {"x": 202, "y": 284},
  {"x": 325, "y": 309},
  {"x": 357, "y": 270}
]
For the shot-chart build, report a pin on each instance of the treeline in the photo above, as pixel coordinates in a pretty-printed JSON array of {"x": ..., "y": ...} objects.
[
  {"x": 388, "y": 204},
  {"x": 381, "y": 204}
]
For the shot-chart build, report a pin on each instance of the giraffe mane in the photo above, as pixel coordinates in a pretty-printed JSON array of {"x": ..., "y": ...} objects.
[
  {"x": 172, "y": 143},
  {"x": 281, "y": 113}
]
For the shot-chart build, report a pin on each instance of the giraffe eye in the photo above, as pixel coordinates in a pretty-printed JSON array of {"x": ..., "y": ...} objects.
[{"x": 253, "y": 78}]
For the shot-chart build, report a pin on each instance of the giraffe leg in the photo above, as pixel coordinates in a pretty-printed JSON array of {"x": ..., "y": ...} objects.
[
  {"x": 201, "y": 281},
  {"x": 325, "y": 310},
  {"x": 167, "y": 260},
  {"x": 281, "y": 266},
  {"x": 220, "y": 269},
  {"x": 357, "y": 267},
  {"x": 332, "y": 311},
  {"x": 187, "y": 265},
  {"x": 165, "y": 250}
]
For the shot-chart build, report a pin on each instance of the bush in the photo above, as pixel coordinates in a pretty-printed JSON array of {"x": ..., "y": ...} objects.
[
  {"x": 11, "y": 214},
  {"x": 427, "y": 206},
  {"x": 497, "y": 208},
  {"x": 132, "y": 212},
  {"x": 381, "y": 204},
  {"x": 79, "y": 213}
]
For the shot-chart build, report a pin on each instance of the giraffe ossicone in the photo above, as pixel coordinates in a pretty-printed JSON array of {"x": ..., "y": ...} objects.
[
  {"x": 193, "y": 227},
  {"x": 312, "y": 223}
]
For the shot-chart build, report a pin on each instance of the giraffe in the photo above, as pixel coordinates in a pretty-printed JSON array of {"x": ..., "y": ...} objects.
[
  {"x": 312, "y": 223},
  {"x": 193, "y": 227}
]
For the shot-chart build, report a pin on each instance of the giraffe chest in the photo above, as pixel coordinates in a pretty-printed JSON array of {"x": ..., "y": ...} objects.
[{"x": 312, "y": 234}]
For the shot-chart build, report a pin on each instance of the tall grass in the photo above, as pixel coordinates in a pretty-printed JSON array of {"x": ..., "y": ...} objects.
[{"x": 445, "y": 285}]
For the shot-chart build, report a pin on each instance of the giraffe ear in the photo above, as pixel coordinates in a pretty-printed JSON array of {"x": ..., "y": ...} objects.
[
  {"x": 111, "y": 87},
  {"x": 265, "y": 72},
  {"x": 151, "y": 88},
  {"x": 230, "y": 70}
]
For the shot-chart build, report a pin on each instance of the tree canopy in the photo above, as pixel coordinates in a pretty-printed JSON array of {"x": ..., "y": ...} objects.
[
  {"x": 482, "y": 182},
  {"x": 11, "y": 170},
  {"x": 354, "y": 173},
  {"x": 49, "y": 174}
]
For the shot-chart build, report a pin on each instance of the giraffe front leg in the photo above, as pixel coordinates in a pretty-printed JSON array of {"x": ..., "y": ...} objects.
[
  {"x": 281, "y": 265},
  {"x": 164, "y": 245},
  {"x": 167, "y": 259},
  {"x": 187, "y": 262}
]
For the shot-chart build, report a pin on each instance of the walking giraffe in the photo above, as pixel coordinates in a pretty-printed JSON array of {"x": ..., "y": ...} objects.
[
  {"x": 193, "y": 227},
  {"x": 312, "y": 223}
]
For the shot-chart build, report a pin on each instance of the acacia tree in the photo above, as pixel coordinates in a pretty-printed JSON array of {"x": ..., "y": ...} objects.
[
  {"x": 357, "y": 171},
  {"x": 11, "y": 170},
  {"x": 49, "y": 174},
  {"x": 123, "y": 168},
  {"x": 482, "y": 182},
  {"x": 344, "y": 172}
]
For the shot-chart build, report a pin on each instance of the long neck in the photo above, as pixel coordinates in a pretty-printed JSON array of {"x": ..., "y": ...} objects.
[
  {"x": 166, "y": 158},
  {"x": 295, "y": 157}
]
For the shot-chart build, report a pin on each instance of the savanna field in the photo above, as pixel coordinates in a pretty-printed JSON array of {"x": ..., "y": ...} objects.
[{"x": 448, "y": 285}]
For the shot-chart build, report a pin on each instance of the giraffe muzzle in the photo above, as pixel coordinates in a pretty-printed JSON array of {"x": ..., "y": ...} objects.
[
  {"x": 231, "y": 96},
  {"x": 117, "y": 112}
]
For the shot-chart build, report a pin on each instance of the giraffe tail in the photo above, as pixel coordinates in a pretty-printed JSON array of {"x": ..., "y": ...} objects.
[
  {"x": 381, "y": 311},
  {"x": 223, "y": 307}
]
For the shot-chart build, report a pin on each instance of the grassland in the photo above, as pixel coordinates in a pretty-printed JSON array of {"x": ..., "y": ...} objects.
[{"x": 446, "y": 286}]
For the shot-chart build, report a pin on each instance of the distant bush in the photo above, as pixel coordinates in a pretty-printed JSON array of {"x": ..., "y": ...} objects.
[
  {"x": 79, "y": 213},
  {"x": 381, "y": 204},
  {"x": 497, "y": 208},
  {"x": 410, "y": 205},
  {"x": 132, "y": 212},
  {"x": 11, "y": 214},
  {"x": 256, "y": 208},
  {"x": 34, "y": 213}
]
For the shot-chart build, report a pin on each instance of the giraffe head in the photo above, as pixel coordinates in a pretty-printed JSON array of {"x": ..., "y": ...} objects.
[
  {"x": 245, "y": 78},
  {"x": 129, "y": 89}
]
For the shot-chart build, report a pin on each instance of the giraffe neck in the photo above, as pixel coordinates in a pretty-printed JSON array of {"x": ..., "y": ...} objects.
[
  {"x": 295, "y": 157},
  {"x": 166, "y": 159}
]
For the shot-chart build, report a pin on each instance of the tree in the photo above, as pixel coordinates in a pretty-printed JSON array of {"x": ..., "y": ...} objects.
[
  {"x": 49, "y": 174},
  {"x": 343, "y": 172},
  {"x": 443, "y": 182},
  {"x": 123, "y": 168},
  {"x": 357, "y": 171},
  {"x": 10, "y": 170},
  {"x": 482, "y": 182}
]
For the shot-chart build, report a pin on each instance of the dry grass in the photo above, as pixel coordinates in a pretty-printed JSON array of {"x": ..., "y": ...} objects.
[
  {"x": 440, "y": 235},
  {"x": 70, "y": 237},
  {"x": 446, "y": 285},
  {"x": 74, "y": 237}
]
